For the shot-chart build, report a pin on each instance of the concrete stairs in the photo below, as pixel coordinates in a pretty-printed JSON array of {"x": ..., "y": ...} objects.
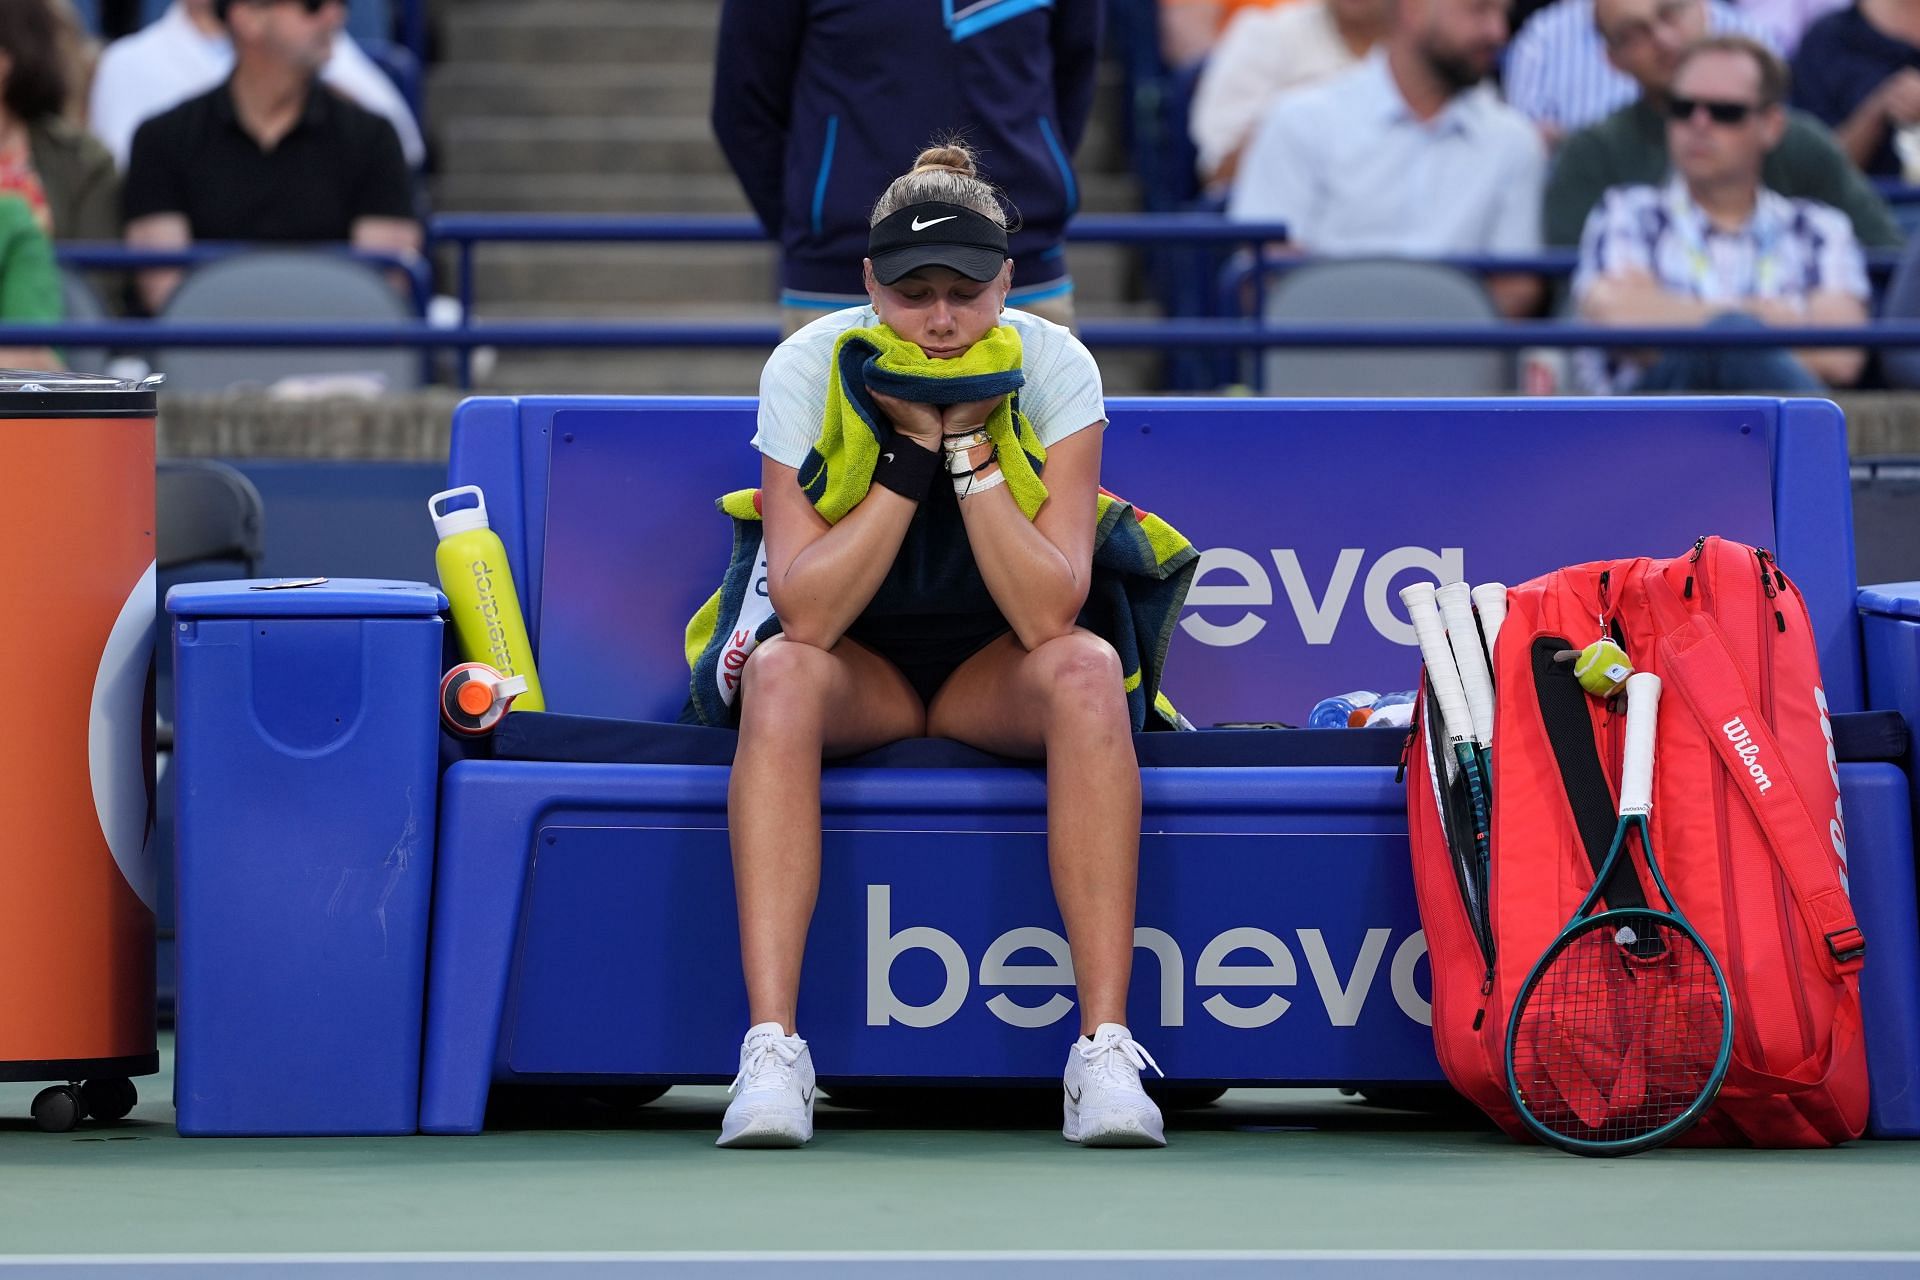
[{"x": 600, "y": 106}]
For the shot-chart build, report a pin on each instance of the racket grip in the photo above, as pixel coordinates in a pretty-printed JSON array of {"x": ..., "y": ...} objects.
[
  {"x": 1442, "y": 675},
  {"x": 1490, "y": 598},
  {"x": 1456, "y": 611},
  {"x": 1636, "y": 770}
]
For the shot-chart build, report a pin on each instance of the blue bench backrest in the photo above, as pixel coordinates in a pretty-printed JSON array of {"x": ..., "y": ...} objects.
[{"x": 1310, "y": 514}]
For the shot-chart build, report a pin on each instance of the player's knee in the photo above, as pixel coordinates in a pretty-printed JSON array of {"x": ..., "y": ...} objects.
[
  {"x": 1081, "y": 673},
  {"x": 784, "y": 673}
]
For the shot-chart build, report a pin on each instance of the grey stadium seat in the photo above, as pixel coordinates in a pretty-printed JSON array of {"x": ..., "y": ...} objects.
[
  {"x": 1388, "y": 290},
  {"x": 289, "y": 286},
  {"x": 80, "y": 303}
]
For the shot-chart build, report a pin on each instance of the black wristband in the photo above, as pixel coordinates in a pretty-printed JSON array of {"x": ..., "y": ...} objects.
[{"x": 905, "y": 467}]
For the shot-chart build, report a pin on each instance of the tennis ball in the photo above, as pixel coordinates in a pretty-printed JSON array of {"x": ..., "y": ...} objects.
[{"x": 1603, "y": 667}]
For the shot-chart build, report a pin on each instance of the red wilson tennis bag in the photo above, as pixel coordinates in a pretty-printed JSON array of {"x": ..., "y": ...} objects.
[{"x": 1746, "y": 820}]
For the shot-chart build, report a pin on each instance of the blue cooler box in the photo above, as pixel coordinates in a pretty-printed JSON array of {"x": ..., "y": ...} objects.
[{"x": 306, "y": 758}]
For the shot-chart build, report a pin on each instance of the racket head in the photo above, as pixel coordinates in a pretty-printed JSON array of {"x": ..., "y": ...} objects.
[{"x": 1621, "y": 1036}]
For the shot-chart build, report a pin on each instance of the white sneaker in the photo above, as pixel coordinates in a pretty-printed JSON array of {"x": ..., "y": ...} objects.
[
  {"x": 1105, "y": 1105},
  {"x": 773, "y": 1094}
]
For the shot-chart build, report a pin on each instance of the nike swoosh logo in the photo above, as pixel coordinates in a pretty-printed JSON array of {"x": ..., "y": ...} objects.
[
  {"x": 1074, "y": 1097},
  {"x": 887, "y": 456},
  {"x": 806, "y": 1098},
  {"x": 932, "y": 222}
]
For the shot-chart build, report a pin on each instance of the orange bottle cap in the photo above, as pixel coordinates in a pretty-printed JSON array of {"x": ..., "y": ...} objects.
[{"x": 475, "y": 697}]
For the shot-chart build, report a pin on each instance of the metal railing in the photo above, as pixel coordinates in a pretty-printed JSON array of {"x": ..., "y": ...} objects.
[{"x": 464, "y": 233}]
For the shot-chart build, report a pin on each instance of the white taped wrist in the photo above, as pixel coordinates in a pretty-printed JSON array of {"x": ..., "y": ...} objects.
[{"x": 969, "y": 485}]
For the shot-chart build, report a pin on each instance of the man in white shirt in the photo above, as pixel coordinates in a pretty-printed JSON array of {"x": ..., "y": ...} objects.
[
  {"x": 187, "y": 52},
  {"x": 1715, "y": 247},
  {"x": 1408, "y": 153},
  {"x": 1265, "y": 53}
]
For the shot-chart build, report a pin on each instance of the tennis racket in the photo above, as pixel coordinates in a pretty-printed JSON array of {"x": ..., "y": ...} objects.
[
  {"x": 1490, "y": 598},
  {"x": 1622, "y": 1032},
  {"x": 1443, "y": 677},
  {"x": 1463, "y": 635}
]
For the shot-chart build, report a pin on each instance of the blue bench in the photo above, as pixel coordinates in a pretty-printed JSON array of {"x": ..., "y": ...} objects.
[{"x": 582, "y": 917}]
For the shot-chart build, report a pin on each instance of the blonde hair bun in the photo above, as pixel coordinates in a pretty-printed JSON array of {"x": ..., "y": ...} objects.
[
  {"x": 947, "y": 173},
  {"x": 955, "y": 157}
]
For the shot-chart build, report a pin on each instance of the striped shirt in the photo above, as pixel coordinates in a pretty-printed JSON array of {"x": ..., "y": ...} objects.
[
  {"x": 1557, "y": 71},
  {"x": 1062, "y": 394},
  {"x": 1788, "y": 249}
]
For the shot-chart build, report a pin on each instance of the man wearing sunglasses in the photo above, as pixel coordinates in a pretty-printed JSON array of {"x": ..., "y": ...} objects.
[
  {"x": 1715, "y": 246},
  {"x": 1646, "y": 39},
  {"x": 272, "y": 154}
]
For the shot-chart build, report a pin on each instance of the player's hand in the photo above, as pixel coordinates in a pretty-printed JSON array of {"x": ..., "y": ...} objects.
[
  {"x": 920, "y": 423},
  {"x": 958, "y": 419}
]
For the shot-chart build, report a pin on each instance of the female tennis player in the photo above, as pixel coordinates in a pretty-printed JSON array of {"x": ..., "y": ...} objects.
[{"x": 875, "y": 647}]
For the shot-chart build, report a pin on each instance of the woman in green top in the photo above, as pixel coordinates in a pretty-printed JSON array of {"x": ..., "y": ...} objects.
[
  {"x": 64, "y": 174},
  {"x": 29, "y": 283}
]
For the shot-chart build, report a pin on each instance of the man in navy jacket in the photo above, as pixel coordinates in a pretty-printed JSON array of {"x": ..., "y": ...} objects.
[{"x": 818, "y": 104}]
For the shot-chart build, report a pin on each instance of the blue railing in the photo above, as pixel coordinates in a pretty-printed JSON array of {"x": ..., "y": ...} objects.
[
  {"x": 1176, "y": 333},
  {"x": 465, "y": 232}
]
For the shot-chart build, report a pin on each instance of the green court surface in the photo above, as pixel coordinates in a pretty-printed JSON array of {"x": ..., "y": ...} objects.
[{"x": 1260, "y": 1170}]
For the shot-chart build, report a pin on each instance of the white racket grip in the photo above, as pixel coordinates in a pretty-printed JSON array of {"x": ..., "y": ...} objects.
[
  {"x": 1636, "y": 769},
  {"x": 1456, "y": 610},
  {"x": 1442, "y": 675},
  {"x": 1490, "y": 598}
]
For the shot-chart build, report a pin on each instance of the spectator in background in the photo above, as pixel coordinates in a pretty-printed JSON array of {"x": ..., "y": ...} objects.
[
  {"x": 1560, "y": 74},
  {"x": 29, "y": 282},
  {"x": 819, "y": 105},
  {"x": 1265, "y": 53},
  {"x": 63, "y": 175},
  {"x": 1859, "y": 70},
  {"x": 272, "y": 154},
  {"x": 187, "y": 52},
  {"x": 1786, "y": 22},
  {"x": 1407, "y": 153},
  {"x": 1713, "y": 246},
  {"x": 1189, "y": 29},
  {"x": 1629, "y": 147}
]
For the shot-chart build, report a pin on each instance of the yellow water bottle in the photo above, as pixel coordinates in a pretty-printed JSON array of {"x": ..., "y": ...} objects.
[{"x": 486, "y": 610}]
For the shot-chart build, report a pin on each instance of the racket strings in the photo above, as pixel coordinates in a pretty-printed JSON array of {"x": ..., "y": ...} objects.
[{"x": 1620, "y": 1034}]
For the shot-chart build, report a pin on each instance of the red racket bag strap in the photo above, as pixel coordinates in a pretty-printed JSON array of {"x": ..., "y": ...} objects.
[{"x": 1698, "y": 664}]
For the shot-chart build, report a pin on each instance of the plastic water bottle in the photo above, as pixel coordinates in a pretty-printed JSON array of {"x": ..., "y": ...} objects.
[
  {"x": 1337, "y": 712},
  {"x": 479, "y": 584}
]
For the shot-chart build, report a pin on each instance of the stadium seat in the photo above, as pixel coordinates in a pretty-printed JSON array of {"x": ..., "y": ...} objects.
[
  {"x": 1389, "y": 290},
  {"x": 284, "y": 286},
  {"x": 1886, "y": 516},
  {"x": 209, "y": 522},
  {"x": 81, "y": 303}
]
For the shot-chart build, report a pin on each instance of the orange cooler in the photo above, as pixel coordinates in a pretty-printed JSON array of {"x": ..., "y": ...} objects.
[{"x": 77, "y": 878}]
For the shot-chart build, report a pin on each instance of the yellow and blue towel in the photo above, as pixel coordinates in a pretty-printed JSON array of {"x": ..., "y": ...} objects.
[{"x": 1142, "y": 566}]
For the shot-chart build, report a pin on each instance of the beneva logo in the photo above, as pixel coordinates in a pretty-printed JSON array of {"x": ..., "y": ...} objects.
[
  {"x": 1230, "y": 579},
  {"x": 1342, "y": 986}
]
